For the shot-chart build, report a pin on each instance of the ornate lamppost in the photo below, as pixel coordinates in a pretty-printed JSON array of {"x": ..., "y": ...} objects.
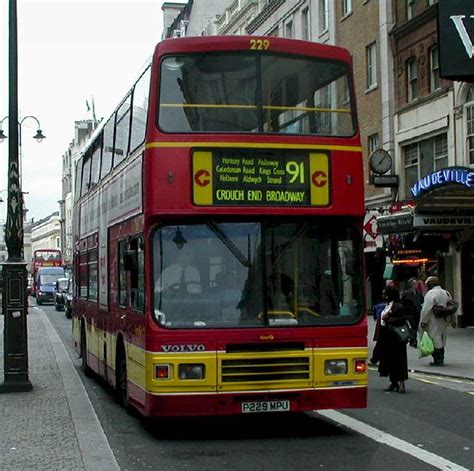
[{"x": 14, "y": 301}]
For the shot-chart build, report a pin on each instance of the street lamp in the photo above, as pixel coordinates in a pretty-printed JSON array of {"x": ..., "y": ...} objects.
[
  {"x": 14, "y": 300},
  {"x": 39, "y": 136}
]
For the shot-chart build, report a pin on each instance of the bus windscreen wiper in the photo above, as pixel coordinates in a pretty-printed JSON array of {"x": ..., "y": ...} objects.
[{"x": 229, "y": 244}]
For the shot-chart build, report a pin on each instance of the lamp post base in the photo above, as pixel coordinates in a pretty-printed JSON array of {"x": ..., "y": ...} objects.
[
  {"x": 15, "y": 385},
  {"x": 15, "y": 309}
]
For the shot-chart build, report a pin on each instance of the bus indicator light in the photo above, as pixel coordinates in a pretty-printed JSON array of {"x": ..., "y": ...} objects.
[
  {"x": 319, "y": 178},
  {"x": 360, "y": 366},
  {"x": 319, "y": 171},
  {"x": 162, "y": 371},
  {"x": 202, "y": 177}
]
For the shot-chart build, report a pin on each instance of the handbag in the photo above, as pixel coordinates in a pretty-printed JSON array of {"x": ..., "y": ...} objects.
[
  {"x": 402, "y": 332},
  {"x": 442, "y": 312}
]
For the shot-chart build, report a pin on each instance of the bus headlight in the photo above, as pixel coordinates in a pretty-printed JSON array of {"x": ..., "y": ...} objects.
[
  {"x": 191, "y": 371},
  {"x": 335, "y": 367}
]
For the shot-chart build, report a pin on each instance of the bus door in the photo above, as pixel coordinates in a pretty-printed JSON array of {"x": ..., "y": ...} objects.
[{"x": 132, "y": 300}]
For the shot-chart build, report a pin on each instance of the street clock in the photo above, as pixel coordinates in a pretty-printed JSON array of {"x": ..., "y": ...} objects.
[{"x": 380, "y": 161}]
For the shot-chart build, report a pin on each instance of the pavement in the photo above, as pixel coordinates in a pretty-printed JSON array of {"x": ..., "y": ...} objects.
[
  {"x": 54, "y": 426},
  {"x": 459, "y": 354}
]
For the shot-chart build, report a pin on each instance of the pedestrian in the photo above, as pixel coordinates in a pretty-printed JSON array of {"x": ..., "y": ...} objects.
[
  {"x": 435, "y": 327},
  {"x": 392, "y": 351},
  {"x": 378, "y": 309},
  {"x": 412, "y": 301}
]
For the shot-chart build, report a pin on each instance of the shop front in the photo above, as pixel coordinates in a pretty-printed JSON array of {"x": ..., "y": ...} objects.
[{"x": 434, "y": 235}]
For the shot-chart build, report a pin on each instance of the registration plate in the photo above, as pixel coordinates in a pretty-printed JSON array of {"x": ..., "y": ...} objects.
[{"x": 265, "y": 406}]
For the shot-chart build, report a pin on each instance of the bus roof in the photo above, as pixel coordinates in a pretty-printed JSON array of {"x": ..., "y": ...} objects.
[{"x": 243, "y": 43}]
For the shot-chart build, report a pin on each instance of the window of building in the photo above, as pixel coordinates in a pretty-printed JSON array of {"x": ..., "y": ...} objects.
[
  {"x": 469, "y": 108},
  {"x": 373, "y": 142},
  {"x": 434, "y": 69},
  {"x": 412, "y": 79},
  {"x": 371, "y": 58},
  {"x": 289, "y": 29},
  {"x": 323, "y": 16},
  {"x": 410, "y": 5},
  {"x": 305, "y": 24},
  {"x": 274, "y": 32},
  {"x": 424, "y": 157},
  {"x": 346, "y": 7}
]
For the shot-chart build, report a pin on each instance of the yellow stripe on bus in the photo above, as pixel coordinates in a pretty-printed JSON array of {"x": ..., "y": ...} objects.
[
  {"x": 251, "y": 145},
  {"x": 252, "y": 107}
]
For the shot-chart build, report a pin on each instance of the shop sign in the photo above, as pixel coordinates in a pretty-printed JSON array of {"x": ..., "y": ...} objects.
[
  {"x": 440, "y": 178},
  {"x": 395, "y": 223},
  {"x": 447, "y": 222},
  {"x": 384, "y": 181},
  {"x": 456, "y": 39}
]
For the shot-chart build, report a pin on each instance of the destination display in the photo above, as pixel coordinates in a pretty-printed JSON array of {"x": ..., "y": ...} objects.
[{"x": 241, "y": 177}]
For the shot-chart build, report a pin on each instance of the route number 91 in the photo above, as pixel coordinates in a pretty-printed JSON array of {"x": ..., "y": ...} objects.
[
  {"x": 259, "y": 44},
  {"x": 296, "y": 171}
]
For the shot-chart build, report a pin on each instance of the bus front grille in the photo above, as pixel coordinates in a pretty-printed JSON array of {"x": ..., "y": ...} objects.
[{"x": 244, "y": 370}]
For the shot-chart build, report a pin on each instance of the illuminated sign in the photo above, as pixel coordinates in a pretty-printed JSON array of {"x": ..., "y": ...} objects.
[
  {"x": 445, "y": 176},
  {"x": 252, "y": 178}
]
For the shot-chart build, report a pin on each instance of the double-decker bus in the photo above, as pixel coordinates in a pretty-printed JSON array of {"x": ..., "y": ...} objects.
[
  {"x": 44, "y": 258},
  {"x": 218, "y": 247}
]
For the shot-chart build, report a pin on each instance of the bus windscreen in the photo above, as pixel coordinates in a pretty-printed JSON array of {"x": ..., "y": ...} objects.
[
  {"x": 256, "y": 274},
  {"x": 260, "y": 93}
]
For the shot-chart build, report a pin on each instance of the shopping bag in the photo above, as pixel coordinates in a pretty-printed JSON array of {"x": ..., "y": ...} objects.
[{"x": 426, "y": 345}]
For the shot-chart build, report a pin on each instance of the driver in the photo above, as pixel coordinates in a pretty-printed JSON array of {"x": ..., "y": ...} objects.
[{"x": 183, "y": 274}]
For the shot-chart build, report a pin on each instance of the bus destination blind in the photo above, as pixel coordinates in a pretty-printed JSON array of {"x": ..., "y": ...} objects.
[{"x": 244, "y": 178}]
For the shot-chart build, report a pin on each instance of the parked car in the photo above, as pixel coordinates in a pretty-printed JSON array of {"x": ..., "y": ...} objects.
[
  {"x": 68, "y": 299},
  {"x": 60, "y": 290}
]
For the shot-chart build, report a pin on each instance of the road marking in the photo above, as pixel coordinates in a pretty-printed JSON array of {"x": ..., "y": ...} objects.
[{"x": 394, "y": 442}]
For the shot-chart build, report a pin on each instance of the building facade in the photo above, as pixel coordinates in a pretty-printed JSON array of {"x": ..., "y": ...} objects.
[
  {"x": 430, "y": 230},
  {"x": 46, "y": 233}
]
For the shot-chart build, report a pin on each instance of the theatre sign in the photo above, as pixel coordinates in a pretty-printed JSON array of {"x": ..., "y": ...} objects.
[
  {"x": 442, "y": 178},
  {"x": 442, "y": 222}
]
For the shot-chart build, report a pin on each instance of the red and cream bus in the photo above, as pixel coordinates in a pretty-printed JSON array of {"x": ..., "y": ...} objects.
[{"x": 218, "y": 255}]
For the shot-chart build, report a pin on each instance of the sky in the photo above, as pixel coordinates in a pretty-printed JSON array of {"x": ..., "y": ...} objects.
[{"x": 69, "y": 51}]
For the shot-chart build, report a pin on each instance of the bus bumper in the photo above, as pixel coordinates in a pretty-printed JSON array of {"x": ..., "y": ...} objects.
[{"x": 231, "y": 404}]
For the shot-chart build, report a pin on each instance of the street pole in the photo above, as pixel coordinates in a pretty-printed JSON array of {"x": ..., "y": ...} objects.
[{"x": 14, "y": 302}]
